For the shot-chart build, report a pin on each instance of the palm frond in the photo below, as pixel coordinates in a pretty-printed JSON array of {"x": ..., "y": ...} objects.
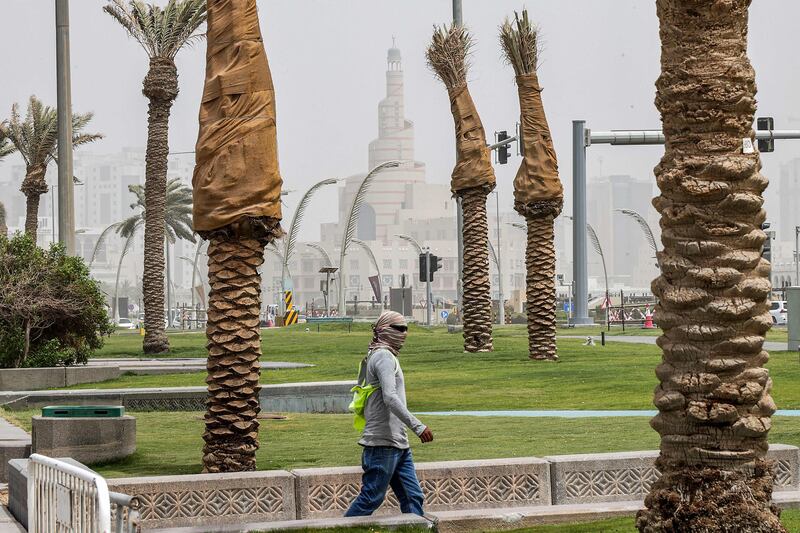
[
  {"x": 36, "y": 137},
  {"x": 520, "y": 43},
  {"x": 291, "y": 239},
  {"x": 364, "y": 246},
  {"x": 6, "y": 146},
  {"x": 161, "y": 32},
  {"x": 325, "y": 255},
  {"x": 448, "y": 55}
]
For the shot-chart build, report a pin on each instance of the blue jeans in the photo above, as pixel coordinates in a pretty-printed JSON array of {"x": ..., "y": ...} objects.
[{"x": 386, "y": 467}]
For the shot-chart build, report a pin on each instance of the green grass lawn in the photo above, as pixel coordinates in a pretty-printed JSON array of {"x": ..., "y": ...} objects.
[
  {"x": 440, "y": 377},
  {"x": 170, "y": 442}
]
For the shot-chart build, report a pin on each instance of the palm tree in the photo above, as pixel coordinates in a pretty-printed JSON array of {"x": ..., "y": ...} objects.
[
  {"x": 237, "y": 208},
  {"x": 6, "y": 147},
  {"x": 472, "y": 180},
  {"x": 162, "y": 32},
  {"x": 538, "y": 194},
  {"x": 714, "y": 394},
  {"x": 177, "y": 222},
  {"x": 36, "y": 140}
]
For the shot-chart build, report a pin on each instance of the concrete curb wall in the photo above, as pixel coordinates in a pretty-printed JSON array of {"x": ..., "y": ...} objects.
[
  {"x": 314, "y": 397},
  {"x": 606, "y": 479},
  {"x": 27, "y": 379}
]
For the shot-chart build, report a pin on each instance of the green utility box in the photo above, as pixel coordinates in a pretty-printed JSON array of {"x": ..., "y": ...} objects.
[{"x": 83, "y": 411}]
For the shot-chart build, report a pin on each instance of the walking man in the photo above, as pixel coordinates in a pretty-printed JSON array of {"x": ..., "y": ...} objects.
[{"x": 386, "y": 457}]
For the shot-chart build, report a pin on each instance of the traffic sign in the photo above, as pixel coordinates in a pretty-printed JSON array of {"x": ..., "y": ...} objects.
[{"x": 444, "y": 315}]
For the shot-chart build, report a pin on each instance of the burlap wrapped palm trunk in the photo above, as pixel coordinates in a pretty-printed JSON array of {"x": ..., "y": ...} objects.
[
  {"x": 473, "y": 179},
  {"x": 714, "y": 394},
  {"x": 538, "y": 196},
  {"x": 237, "y": 187}
]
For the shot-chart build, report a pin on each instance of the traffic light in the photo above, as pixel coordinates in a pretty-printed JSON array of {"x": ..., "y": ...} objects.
[
  {"x": 426, "y": 274},
  {"x": 502, "y": 151},
  {"x": 766, "y": 250},
  {"x": 765, "y": 124}
]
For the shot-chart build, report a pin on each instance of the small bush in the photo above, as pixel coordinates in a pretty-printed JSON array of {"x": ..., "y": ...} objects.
[{"x": 51, "y": 311}]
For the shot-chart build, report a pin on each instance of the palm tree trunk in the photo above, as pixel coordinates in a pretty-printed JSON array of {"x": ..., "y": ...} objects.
[
  {"x": 234, "y": 349},
  {"x": 33, "y": 187},
  {"x": 161, "y": 88},
  {"x": 32, "y": 215},
  {"x": 714, "y": 395},
  {"x": 3, "y": 226},
  {"x": 540, "y": 288},
  {"x": 477, "y": 306}
]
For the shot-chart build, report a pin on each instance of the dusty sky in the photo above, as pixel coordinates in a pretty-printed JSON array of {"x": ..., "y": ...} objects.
[{"x": 328, "y": 57}]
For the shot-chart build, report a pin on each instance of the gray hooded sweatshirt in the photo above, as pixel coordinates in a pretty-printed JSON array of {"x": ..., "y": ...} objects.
[{"x": 386, "y": 413}]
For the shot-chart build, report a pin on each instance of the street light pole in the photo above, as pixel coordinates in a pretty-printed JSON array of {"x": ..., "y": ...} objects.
[
  {"x": 66, "y": 202},
  {"x": 797, "y": 256},
  {"x": 458, "y": 20},
  {"x": 501, "y": 311}
]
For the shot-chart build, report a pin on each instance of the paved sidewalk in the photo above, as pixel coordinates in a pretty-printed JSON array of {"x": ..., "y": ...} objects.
[
  {"x": 643, "y": 339},
  {"x": 142, "y": 366}
]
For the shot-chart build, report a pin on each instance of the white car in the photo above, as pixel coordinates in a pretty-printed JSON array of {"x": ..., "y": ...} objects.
[
  {"x": 125, "y": 323},
  {"x": 779, "y": 313}
]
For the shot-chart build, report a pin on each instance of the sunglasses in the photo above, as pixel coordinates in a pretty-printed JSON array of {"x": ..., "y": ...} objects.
[{"x": 400, "y": 328}]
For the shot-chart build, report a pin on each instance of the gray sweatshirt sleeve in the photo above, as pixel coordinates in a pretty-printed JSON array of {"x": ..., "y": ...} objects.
[{"x": 385, "y": 370}]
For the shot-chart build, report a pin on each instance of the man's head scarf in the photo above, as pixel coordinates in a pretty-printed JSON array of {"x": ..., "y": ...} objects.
[{"x": 385, "y": 336}]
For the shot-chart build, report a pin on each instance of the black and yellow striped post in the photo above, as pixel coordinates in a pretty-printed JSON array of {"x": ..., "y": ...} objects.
[{"x": 291, "y": 314}]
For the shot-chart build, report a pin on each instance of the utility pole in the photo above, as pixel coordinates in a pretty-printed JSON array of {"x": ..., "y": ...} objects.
[
  {"x": 501, "y": 310},
  {"x": 66, "y": 202},
  {"x": 797, "y": 256}
]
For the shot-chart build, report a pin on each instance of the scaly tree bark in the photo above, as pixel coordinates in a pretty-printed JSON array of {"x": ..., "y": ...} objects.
[
  {"x": 237, "y": 188},
  {"x": 472, "y": 180},
  {"x": 538, "y": 193},
  {"x": 714, "y": 393},
  {"x": 161, "y": 88},
  {"x": 33, "y": 187},
  {"x": 162, "y": 32}
]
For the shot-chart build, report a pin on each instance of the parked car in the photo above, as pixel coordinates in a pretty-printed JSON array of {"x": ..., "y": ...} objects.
[
  {"x": 779, "y": 313},
  {"x": 125, "y": 323}
]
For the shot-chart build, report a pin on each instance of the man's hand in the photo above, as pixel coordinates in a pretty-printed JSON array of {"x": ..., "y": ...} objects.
[{"x": 427, "y": 435}]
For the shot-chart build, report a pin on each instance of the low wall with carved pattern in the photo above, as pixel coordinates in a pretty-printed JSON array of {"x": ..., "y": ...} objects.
[
  {"x": 613, "y": 477},
  {"x": 448, "y": 486},
  {"x": 211, "y": 499},
  {"x": 315, "y": 493}
]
